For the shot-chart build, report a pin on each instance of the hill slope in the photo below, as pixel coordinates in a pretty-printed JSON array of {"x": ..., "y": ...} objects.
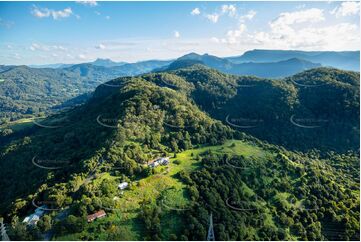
[
  {"x": 73, "y": 161},
  {"x": 26, "y": 91}
]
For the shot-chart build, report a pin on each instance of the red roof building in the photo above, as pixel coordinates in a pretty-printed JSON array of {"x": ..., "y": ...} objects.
[{"x": 99, "y": 214}]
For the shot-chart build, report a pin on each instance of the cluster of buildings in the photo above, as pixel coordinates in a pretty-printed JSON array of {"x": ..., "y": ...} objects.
[
  {"x": 34, "y": 218},
  {"x": 163, "y": 161}
]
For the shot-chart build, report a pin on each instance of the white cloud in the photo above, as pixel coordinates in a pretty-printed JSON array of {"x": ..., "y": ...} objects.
[
  {"x": 40, "y": 13},
  {"x": 81, "y": 57},
  {"x": 311, "y": 15},
  {"x": 36, "y": 46},
  {"x": 176, "y": 34},
  {"x": 234, "y": 35},
  {"x": 97, "y": 13},
  {"x": 107, "y": 17},
  {"x": 346, "y": 9},
  {"x": 283, "y": 23},
  {"x": 42, "y": 47},
  {"x": 45, "y": 13},
  {"x": 62, "y": 14},
  {"x": 230, "y": 9},
  {"x": 196, "y": 11},
  {"x": 304, "y": 29},
  {"x": 91, "y": 3},
  {"x": 250, "y": 15},
  {"x": 213, "y": 17},
  {"x": 100, "y": 47},
  {"x": 215, "y": 40}
]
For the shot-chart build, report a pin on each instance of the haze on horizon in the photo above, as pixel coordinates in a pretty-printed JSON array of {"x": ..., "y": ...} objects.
[{"x": 73, "y": 32}]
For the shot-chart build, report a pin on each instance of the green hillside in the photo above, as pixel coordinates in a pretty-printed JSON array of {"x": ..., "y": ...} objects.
[{"x": 255, "y": 188}]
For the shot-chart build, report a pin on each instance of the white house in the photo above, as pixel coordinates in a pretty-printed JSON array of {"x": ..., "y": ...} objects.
[
  {"x": 160, "y": 161},
  {"x": 34, "y": 218},
  {"x": 123, "y": 185},
  {"x": 163, "y": 161},
  {"x": 154, "y": 164}
]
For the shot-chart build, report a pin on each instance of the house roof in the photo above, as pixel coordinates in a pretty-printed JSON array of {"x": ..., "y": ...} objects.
[{"x": 98, "y": 214}]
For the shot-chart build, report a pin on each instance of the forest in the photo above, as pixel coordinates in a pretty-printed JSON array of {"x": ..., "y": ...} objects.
[{"x": 270, "y": 159}]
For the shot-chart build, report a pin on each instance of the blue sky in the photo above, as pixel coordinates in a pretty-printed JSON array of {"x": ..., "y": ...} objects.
[{"x": 73, "y": 32}]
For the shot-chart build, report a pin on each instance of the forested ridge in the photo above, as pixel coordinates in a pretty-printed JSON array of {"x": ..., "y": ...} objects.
[{"x": 294, "y": 173}]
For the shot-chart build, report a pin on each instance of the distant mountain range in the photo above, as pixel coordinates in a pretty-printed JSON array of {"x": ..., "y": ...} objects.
[
  {"x": 27, "y": 90},
  {"x": 347, "y": 60},
  {"x": 261, "y": 69}
]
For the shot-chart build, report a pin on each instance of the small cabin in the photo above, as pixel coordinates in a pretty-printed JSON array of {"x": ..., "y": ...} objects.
[
  {"x": 163, "y": 161},
  {"x": 99, "y": 214},
  {"x": 34, "y": 218},
  {"x": 123, "y": 185}
]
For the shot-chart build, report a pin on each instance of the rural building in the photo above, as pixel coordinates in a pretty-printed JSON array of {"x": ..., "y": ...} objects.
[
  {"x": 99, "y": 214},
  {"x": 34, "y": 218},
  {"x": 159, "y": 161},
  {"x": 123, "y": 185}
]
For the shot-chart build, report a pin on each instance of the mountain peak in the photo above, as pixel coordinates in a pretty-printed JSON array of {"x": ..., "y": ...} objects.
[
  {"x": 192, "y": 55},
  {"x": 106, "y": 62}
]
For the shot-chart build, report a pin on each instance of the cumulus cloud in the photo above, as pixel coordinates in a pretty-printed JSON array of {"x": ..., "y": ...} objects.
[
  {"x": 45, "y": 13},
  {"x": 196, "y": 11},
  {"x": 234, "y": 35},
  {"x": 213, "y": 17},
  {"x": 336, "y": 37},
  {"x": 309, "y": 15},
  {"x": 91, "y": 3},
  {"x": 283, "y": 23},
  {"x": 297, "y": 30},
  {"x": 229, "y": 9},
  {"x": 176, "y": 34},
  {"x": 346, "y": 9}
]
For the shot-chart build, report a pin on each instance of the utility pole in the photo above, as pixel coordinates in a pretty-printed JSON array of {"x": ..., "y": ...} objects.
[
  {"x": 4, "y": 236},
  {"x": 210, "y": 236}
]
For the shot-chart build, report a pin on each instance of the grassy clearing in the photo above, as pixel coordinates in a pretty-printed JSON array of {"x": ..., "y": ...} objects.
[
  {"x": 20, "y": 124},
  {"x": 163, "y": 185}
]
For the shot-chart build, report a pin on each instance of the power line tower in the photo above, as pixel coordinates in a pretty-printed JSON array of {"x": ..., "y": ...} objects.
[
  {"x": 210, "y": 235},
  {"x": 4, "y": 236}
]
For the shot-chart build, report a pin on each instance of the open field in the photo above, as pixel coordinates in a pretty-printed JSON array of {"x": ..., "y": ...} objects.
[{"x": 20, "y": 124}]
